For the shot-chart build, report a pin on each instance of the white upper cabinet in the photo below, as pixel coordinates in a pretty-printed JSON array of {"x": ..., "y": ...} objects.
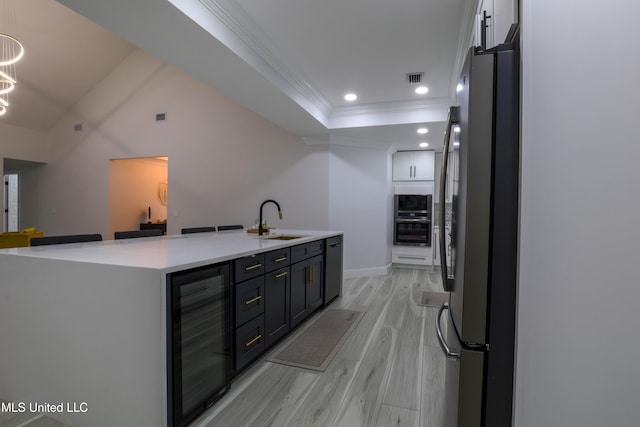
[
  {"x": 496, "y": 16},
  {"x": 424, "y": 165},
  {"x": 402, "y": 166},
  {"x": 413, "y": 166}
]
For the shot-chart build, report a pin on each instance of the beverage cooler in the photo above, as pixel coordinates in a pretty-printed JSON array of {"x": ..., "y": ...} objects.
[{"x": 198, "y": 341}]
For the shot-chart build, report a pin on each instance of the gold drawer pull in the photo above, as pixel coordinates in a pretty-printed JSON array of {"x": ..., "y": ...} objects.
[
  {"x": 252, "y": 267},
  {"x": 284, "y": 258},
  {"x": 284, "y": 273},
  {"x": 248, "y": 344},
  {"x": 252, "y": 300}
]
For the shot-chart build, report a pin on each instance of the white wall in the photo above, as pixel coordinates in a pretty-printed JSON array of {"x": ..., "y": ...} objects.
[
  {"x": 22, "y": 143},
  {"x": 360, "y": 204},
  {"x": 578, "y": 334},
  {"x": 224, "y": 159}
]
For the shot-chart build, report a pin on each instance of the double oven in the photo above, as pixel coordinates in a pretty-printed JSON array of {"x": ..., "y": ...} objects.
[{"x": 412, "y": 219}]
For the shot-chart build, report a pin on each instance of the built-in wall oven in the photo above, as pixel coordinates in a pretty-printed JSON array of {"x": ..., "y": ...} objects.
[
  {"x": 198, "y": 338},
  {"x": 412, "y": 219}
]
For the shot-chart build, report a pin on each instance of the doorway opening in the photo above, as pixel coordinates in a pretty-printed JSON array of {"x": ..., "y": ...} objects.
[{"x": 138, "y": 190}]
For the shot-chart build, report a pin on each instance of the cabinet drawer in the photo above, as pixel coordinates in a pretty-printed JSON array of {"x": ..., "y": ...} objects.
[
  {"x": 413, "y": 255},
  {"x": 249, "y": 300},
  {"x": 277, "y": 259},
  {"x": 316, "y": 248},
  {"x": 307, "y": 250},
  {"x": 249, "y": 341},
  {"x": 334, "y": 241},
  {"x": 249, "y": 267}
]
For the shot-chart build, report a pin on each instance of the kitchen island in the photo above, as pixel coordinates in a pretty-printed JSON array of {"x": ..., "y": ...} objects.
[{"x": 83, "y": 327}]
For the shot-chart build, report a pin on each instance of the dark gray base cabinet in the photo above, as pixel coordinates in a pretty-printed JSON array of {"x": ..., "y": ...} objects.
[
  {"x": 249, "y": 300},
  {"x": 333, "y": 269},
  {"x": 306, "y": 288},
  {"x": 273, "y": 293},
  {"x": 307, "y": 250},
  {"x": 249, "y": 341},
  {"x": 249, "y": 303},
  {"x": 276, "y": 305}
]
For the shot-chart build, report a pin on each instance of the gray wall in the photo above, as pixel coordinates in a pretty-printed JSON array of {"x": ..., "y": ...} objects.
[{"x": 578, "y": 334}]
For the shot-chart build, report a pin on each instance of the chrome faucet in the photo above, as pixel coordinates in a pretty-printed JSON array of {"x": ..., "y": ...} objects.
[{"x": 260, "y": 229}]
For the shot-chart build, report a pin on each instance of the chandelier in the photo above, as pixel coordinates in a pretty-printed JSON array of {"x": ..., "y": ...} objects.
[{"x": 11, "y": 51}]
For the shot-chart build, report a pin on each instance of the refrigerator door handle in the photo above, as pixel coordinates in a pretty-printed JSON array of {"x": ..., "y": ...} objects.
[
  {"x": 450, "y": 352},
  {"x": 447, "y": 279}
]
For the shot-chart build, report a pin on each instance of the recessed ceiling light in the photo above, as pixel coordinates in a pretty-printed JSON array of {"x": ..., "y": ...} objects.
[
  {"x": 421, "y": 90},
  {"x": 424, "y": 144},
  {"x": 459, "y": 87},
  {"x": 351, "y": 97},
  {"x": 422, "y": 131}
]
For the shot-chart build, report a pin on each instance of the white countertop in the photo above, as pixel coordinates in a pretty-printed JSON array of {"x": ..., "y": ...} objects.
[{"x": 170, "y": 253}]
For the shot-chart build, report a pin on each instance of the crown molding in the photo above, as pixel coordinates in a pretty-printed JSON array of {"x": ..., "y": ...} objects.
[
  {"x": 253, "y": 45},
  {"x": 393, "y": 107},
  {"x": 390, "y": 113},
  {"x": 317, "y": 139},
  {"x": 367, "y": 143},
  {"x": 228, "y": 22},
  {"x": 347, "y": 141}
]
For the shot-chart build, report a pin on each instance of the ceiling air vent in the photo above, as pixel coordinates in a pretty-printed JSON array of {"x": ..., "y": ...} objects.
[{"x": 415, "y": 78}]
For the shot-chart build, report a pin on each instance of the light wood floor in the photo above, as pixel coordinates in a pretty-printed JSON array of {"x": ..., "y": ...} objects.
[{"x": 389, "y": 372}]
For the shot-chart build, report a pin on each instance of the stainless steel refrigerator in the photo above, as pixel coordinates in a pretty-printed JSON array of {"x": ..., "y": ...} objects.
[{"x": 480, "y": 176}]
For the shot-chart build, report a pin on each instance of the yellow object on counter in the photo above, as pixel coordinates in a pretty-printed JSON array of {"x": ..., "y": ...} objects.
[
  {"x": 18, "y": 239},
  {"x": 254, "y": 228}
]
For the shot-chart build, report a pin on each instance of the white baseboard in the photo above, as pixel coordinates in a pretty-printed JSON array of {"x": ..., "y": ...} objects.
[
  {"x": 364, "y": 272},
  {"x": 416, "y": 266}
]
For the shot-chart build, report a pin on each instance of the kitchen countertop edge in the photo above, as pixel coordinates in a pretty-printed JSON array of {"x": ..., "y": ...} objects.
[{"x": 171, "y": 253}]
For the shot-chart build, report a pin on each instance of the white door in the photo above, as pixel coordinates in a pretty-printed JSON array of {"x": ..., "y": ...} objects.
[{"x": 10, "y": 214}]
